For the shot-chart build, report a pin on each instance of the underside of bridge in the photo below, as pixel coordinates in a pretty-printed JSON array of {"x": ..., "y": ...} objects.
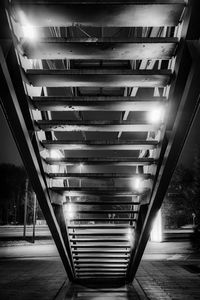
[{"x": 100, "y": 97}]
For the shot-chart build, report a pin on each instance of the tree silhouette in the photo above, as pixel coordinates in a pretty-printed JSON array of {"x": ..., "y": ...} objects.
[
  {"x": 12, "y": 180},
  {"x": 192, "y": 192},
  {"x": 183, "y": 194},
  {"x": 12, "y": 195}
]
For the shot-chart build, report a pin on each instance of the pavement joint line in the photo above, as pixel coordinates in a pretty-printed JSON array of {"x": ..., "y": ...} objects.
[
  {"x": 60, "y": 295},
  {"x": 138, "y": 288}
]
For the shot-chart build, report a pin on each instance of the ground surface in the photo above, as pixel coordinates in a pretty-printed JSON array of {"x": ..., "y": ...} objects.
[{"x": 34, "y": 271}]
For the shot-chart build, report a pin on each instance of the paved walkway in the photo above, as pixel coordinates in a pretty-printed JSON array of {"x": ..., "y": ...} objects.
[
  {"x": 30, "y": 279},
  {"x": 35, "y": 272},
  {"x": 170, "y": 279}
]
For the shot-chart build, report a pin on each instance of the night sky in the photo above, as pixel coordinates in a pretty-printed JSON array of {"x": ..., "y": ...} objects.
[{"x": 10, "y": 154}]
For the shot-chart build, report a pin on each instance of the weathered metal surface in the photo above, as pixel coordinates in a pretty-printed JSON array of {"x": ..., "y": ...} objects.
[
  {"x": 98, "y": 78},
  {"x": 59, "y": 49},
  {"x": 95, "y": 126},
  {"x": 138, "y": 15},
  {"x": 63, "y": 104},
  {"x": 100, "y": 145}
]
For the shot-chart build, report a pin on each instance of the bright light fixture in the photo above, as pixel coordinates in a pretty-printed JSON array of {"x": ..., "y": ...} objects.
[
  {"x": 137, "y": 183},
  {"x": 155, "y": 115},
  {"x": 130, "y": 236},
  {"x": 156, "y": 232},
  {"x": 69, "y": 211},
  {"x": 55, "y": 154},
  {"x": 29, "y": 32}
]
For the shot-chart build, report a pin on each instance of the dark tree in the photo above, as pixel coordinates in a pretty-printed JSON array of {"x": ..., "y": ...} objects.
[
  {"x": 12, "y": 180},
  {"x": 192, "y": 192},
  {"x": 12, "y": 195},
  {"x": 182, "y": 203}
]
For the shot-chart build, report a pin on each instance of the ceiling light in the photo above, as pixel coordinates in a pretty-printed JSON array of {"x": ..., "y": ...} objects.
[
  {"x": 130, "y": 235},
  {"x": 69, "y": 211},
  {"x": 155, "y": 115},
  {"x": 137, "y": 183},
  {"x": 29, "y": 32},
  {"x": 55, "y": 154}
]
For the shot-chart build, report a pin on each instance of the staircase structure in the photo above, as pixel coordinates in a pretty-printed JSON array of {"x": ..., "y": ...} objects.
[{"x": 100, "y": 97}]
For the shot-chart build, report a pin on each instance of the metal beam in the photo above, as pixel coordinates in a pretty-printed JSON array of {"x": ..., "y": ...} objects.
[
  {"x": 11, "y": 81},
  {"x": 99, "y": 233},
  {"x": 61, "y": 48},
  {"x": 94, "y": 126},
  {"x": 185, "y": 116},
  {"x": 99, "y": 240},
  {"x": 99, "y": 260},
  {"x": 48, "y": 14},
  {"x": 104, "y": 203},
  {"x": 102, "y": 219},
  {"x": 101, "y": 273},
  {"x": 135, "y": 100},
  {"x": 63, "y": 104},
  {"x": 98, "y": 246},
  {"x": 72, "y": 190},
  {"x": 99, "y": 195},
  {"x": 104, "y": 268},
  {"x": 100, "y": 226},
  {"x": 82, "y": 278},
  {"x": 115, "y": 161},
  {"x": 102, "y": 40},
  {"x": 99, "y": 175},
  {"x": 100, "y": 145},
  {"x": 103, "y": 256},
  {"x": 104, "y": 251},
  {"x": 127, "y": 2},
  {"x": 109, "y": 211},
  {"x": 97, "y": 78}
]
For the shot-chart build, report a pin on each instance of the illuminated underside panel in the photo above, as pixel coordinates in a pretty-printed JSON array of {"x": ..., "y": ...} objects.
[{"x": 95, "y": 95}]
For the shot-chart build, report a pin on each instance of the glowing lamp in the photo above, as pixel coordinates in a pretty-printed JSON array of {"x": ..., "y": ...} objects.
[
  {"x": 156, "y": 115},
  {"x": 29, "y": 32},
  {"x": 137, "y": 183},
  {"x": 130, "y": 236},
  {"x": 69, "y": 211},
  {"x": 55, "y": 154}
]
